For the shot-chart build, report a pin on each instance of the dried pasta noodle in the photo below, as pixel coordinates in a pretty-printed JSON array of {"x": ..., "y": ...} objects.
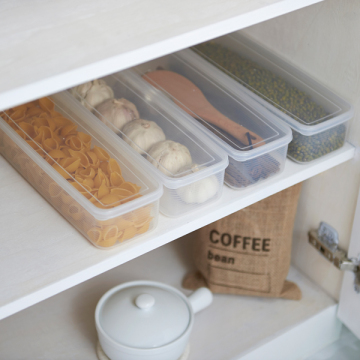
[{"x": 89, "y": 169}]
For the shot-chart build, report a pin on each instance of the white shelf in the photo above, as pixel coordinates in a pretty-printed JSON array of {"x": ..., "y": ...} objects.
[
  {"x": 346, "y": 348},
  {"x": 42, "y": 254},
  {"x": 233, "y": 327},
  {"x": 48, "y": 46}
]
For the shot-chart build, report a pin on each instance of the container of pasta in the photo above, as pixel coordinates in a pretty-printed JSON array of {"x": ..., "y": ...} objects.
[
  {"x": 83, "y": 173},
  {"x": 254, "y": 140},
  {"x": 318, "y": 117},
  {"x": 189, "y": 165}
]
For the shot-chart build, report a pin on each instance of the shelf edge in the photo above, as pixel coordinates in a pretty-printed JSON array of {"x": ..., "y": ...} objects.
[
  {"x": 120, "y": 62},
  {"x": 168, "y": 231}
]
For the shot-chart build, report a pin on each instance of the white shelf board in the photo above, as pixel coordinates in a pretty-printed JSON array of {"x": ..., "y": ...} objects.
[
  {"x": 42, "y": 254},
  {"x": 48, "y": 46},
  {"x": 347, "y": 347},
  {"x": 233, "y": 327}
]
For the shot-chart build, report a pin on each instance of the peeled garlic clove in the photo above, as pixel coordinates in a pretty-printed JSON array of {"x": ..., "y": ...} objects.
[
  {"x": 117, "y": 112},
  {"x": 199, "y": 191},
  {"x": 141, "y": 134},
  {"x": 169, "y": 156},
  {"x": 188, "y": 169}
]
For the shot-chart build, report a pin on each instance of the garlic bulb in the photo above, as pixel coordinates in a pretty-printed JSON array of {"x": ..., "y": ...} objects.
[
  {"x": 199, "y": 191},
  {"x": 141, "y": 134},
  {"x": 79, "y": 92},
  {"x": 92, "y": 93},
  {"x": 169, "y": 156},
  {"x": 117, "y": 112}
]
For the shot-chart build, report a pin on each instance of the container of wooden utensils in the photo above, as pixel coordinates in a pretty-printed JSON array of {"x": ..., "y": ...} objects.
[{"x": 255, "y": 141}]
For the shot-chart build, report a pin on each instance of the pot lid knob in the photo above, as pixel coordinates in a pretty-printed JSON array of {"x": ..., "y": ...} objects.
[{"x": 144, "y": 301}]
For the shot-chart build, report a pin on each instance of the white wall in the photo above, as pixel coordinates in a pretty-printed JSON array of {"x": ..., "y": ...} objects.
[{"x": 323, "y": 40}]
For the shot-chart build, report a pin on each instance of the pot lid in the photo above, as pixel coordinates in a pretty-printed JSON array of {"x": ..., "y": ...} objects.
[{"x": 143, "y": 314}]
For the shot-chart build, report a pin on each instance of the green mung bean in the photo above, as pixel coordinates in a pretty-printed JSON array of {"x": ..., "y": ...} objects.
[
  {"x": 306, "y": 148},
  {"x": 282, "y": 95},
  {"x": 265, "y": 83}
]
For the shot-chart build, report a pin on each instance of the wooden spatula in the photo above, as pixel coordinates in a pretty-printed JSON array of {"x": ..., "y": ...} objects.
[{"x": 191, "y": 99}]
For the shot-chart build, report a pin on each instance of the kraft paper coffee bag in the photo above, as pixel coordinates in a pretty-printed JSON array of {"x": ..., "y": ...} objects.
[{"x": 248, "y": 252}]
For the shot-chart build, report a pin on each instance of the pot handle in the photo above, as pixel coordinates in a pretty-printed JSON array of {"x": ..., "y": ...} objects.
[{"x": 200, "y": 299}]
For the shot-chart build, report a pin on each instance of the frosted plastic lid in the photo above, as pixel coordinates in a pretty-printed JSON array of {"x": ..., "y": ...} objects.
[
  {"x": 219, "y": 92},
  {"x": 295, "y": 97},
  {"x": 142, "y": 314}
]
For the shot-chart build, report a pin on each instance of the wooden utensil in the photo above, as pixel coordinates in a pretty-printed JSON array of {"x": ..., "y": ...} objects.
[{"x": 191, "y": 99}]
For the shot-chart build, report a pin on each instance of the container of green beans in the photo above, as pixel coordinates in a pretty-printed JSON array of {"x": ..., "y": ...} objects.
[{"x": 318, "y": 117}]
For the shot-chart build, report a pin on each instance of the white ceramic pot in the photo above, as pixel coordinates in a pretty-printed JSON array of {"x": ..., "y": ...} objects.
[{"x": 147, "y": 320}]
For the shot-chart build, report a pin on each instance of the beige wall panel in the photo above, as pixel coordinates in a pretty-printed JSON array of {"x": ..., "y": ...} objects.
[{"x": 323, "y": 40}]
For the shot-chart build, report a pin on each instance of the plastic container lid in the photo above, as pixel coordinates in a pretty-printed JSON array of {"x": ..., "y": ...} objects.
[
  {"x": 151, "y": 190},
  {"x": 143, "y": 315},
  {"x": 326, "y": 109},
  {"x": 150, "y": 104},
  {"x": 220, "y": 92}
]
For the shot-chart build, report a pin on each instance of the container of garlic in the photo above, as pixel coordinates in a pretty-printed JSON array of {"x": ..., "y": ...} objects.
[
  {"x": 254, "y": 139},
  {"x": 189, "y": 165}
]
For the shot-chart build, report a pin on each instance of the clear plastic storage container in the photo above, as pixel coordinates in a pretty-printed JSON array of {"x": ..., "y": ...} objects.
[
  {"x": 318, "y": 117},
  {"x": 250, "y": 161},
  {"x": 192, "y": 178},
  {"x": 106, "y": 212}
]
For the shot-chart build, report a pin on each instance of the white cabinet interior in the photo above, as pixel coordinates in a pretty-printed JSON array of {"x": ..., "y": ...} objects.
[
  {"x": 321, "y": 40},
  {"x": 53, "y": 45},
  {"x": 230, "y": 328},
  {"x": 47, "y": 255}
]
